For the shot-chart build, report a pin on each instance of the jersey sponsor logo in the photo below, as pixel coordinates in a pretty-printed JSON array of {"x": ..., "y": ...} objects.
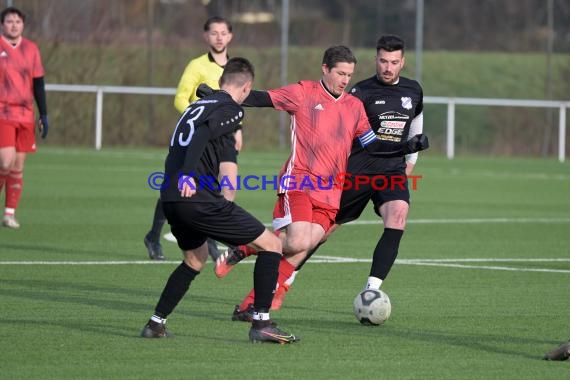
[
  {"x": 407, "y": 102},
  {"x": 392, "y": 115},
  {"x": 380, "y": 102},
  {"x": 319, "y": 107},
  {"x": 390, "y": 138},
  {"x": 393, "y": 124},
  {"x": 391, "y": 127}
]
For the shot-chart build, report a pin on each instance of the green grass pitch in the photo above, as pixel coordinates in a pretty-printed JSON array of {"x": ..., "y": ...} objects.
[{"x": 480, "y": 289}]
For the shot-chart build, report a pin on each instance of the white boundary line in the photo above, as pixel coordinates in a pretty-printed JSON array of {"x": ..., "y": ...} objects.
[
  {"x": 470, "y": 221},
  {"x": 169, "y": 237},
  {"x": 461, "y": 221},
  {"x": 512, "y": 269},
  {"x": 448, "y": 263}
]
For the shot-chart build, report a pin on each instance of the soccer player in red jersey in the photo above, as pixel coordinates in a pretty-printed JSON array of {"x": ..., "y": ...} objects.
[
  {"x": 324, "y": 123},
  {"x": 21, "y": 81}
]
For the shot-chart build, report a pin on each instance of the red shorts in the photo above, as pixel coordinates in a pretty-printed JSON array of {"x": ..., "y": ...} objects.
[
  {"x": 298, "y": 206},
  {"x": 19, "y": 135}
]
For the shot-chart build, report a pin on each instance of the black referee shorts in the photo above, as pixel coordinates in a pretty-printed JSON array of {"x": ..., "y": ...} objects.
[
  {"x": 193, "y": 222},
  {"x": 379, "y": 189}
]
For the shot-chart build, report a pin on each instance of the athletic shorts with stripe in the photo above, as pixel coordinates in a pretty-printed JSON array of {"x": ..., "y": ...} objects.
[{"x": 298, "y": 206}]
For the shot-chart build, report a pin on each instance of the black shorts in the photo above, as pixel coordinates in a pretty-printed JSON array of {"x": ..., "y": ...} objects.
[
  {"x": 193, "y": 222},
  {"x": 228, "y": 152},
  {"x": 380, "y": 189}
]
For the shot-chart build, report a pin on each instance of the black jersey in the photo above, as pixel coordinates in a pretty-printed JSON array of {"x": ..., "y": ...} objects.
[
  {"x": 390, "y": 110},
  {"x": 196, "y": 146}
]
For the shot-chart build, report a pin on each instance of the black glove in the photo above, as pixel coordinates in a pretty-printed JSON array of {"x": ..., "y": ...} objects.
[
  {"x": 43, "y": 126},
  {"x": 416, "y": 144},
  {"x": 204, "y": 90}
]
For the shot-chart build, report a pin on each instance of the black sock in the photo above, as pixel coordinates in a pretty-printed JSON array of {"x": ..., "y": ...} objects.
[
  {"x": 157, "y": 223},
  {"x": 385, "y": 253},
  {"x": 175, "y": 289},
  {"x": 265, "y": 275}
]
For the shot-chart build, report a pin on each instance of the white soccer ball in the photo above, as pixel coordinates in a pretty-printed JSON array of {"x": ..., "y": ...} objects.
[{"x": 372, "y": 307}]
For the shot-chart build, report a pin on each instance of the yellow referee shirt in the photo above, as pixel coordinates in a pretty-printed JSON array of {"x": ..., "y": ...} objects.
[{"x": 203, "y": 69}]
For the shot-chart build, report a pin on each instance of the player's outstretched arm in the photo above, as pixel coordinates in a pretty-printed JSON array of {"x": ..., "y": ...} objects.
[{"x": 256, "y": 98}]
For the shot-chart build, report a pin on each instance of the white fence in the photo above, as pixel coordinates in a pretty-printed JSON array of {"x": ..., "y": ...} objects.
[{"x": 562, "y": 106}]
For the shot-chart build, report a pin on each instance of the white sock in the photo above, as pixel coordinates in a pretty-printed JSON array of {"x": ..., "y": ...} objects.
[
  {"x": 260, "y": 316},
  {"x": 9, "y": 211},
  {"x": 157, "y": 319},
  {"x": 373, "y": 283}
]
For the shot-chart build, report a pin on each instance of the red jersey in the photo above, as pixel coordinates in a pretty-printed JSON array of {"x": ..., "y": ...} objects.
[
  {"x": 322, "y": 131},
  {"x": 19, "y": 65}
]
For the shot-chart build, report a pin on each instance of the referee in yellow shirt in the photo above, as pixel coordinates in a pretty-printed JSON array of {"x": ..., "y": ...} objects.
[{"x": 206, "y": 68}]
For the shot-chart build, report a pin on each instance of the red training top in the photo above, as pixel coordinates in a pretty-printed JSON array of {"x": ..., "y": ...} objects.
[
  {"x": 322, "y": 132},
  {"x": 19, "y": 65}
]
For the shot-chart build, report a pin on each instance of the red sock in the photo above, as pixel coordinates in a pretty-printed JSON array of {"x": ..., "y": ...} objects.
[
  {"x": 248, "y": 300},
  {"x": 286, "y": 269},
  {"x": 14, "y": 184},
  {"x": 247, "y": 250}
]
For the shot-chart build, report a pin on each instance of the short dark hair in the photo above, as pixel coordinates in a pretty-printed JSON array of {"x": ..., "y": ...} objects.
[
  {"x": 390, "y": 42},
  {"x": 12, "y": 10},
  {"x": 237, "y": 71},
  {"x": 217, "y": 20},
  {"x": 336, "y": 54}
]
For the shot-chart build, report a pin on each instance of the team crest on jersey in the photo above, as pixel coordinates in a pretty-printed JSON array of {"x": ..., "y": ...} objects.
[
  {"x": 3, "y": 54},
  {"x": 407, "y": 102}
]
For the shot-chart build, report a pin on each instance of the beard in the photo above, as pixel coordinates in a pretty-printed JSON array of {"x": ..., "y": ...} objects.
[{"x": 218, "y": 51}]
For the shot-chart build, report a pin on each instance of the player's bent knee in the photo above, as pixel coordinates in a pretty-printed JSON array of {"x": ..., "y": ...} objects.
[
  {"x": 5, "y": 166},
  {"x": 394, "y": 214}
]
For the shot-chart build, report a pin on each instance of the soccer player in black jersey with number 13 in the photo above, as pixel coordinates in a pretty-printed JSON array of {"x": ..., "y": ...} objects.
[{"x": 196, "y": 209}]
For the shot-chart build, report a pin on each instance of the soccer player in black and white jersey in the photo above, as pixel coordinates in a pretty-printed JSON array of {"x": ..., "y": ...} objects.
[
  {"x": 196, "y": 209},
  {"x": 394, "y": 106}
]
